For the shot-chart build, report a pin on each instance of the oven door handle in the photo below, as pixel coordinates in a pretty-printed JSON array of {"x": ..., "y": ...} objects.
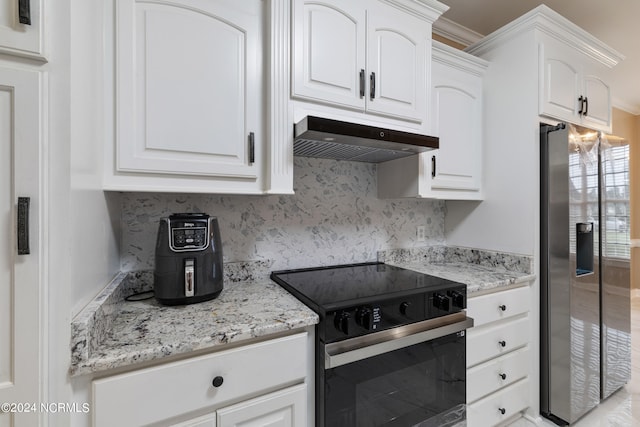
[{"x": 359, "y": 348}]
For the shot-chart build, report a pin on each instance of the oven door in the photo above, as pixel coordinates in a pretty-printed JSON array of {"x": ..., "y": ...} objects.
[{"x": 414, "y": 375}]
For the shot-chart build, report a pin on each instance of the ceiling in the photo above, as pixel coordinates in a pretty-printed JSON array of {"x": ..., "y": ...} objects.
[{"x": 615, "y": 22}]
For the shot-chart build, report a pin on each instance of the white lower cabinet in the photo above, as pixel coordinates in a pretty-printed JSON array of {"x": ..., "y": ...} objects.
[
  {"x": 284, "y": 408},
  {"x": 498, "y": 356},
  {"x": 253, "y": 385},
  {"x": 497, "y": 373},
  {"x": 500, "y": 406}
]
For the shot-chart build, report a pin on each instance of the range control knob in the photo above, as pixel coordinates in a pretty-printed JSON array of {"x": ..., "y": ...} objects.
[
  {"x": 341, "y": 321},
  {"x": 440, "y": 301},
  {"x": 364, "y": 317},
  {"x": 404, "y": 308},
  {"x": 457, "y": 299}
]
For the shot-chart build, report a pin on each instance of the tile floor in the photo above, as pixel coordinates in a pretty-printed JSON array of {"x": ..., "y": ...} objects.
[{"x": 622, "y": 409}]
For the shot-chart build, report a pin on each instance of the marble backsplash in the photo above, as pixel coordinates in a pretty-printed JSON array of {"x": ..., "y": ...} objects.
[{"x": 334, "y": 217}]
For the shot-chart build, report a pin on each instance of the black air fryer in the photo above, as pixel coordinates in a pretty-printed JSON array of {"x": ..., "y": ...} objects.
[{"x": 188, "y": 259}]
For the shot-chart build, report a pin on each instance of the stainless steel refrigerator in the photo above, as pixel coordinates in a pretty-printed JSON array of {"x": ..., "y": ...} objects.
[{"x": 585, "y": 294}]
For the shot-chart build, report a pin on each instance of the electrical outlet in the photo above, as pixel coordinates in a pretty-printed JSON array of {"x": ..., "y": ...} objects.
[{"x": 420, "y": 233}]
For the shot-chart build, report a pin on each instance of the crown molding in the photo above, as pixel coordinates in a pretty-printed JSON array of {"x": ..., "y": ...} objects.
[
  {"x": 549, "y": 22},
  {"x": 455, "y": 32}
]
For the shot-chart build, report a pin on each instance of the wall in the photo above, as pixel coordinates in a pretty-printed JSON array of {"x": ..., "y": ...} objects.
[
  {"x": 634, "y": 178},
  {"x": 334, "y": 217},
  {"x": 506, "y": 220},
  {"x": 92, "y": 211},
  {"x": 627, "y": 126}
]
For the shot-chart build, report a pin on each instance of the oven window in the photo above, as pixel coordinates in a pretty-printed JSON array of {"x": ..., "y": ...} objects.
[{"x": 418, "y": 385}]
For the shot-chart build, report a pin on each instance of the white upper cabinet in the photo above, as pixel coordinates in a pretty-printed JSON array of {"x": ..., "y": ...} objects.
[
  {"x": 366, "y": 55},
  {"x": 189, "y": 87},
  {"x": 573, "y": 86},
  {"x": 190, "y": 84},
  {"x": 454, "y": 171},
  {"x": 397, "y": 56},
  {"x": 457, "y": 117},
  {"x": 22, "y": 28},
  {"x": 329, "y": 52}
]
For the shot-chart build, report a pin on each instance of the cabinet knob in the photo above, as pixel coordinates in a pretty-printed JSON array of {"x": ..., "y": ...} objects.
[
  {"x": 217, "y": 381},
  {"x": 502, "y": 307},
  {"x": 502, "y": 343},
  {"x": 502, "y": 410},
  {"x": 503, "y": 376}
]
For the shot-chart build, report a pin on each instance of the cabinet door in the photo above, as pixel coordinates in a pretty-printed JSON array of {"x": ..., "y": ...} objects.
[
  {"x": 561, "y": 87},
  {"x": 20, "y": 275},
  {"x": 397, "y": 53},
  {"x": 569, "y": 90},
  {"x": 457, "y": 114},
  {"x": 208, "y": 420},
  {"x": 285, "y": 408},
  {"x": 597, "y": 112},
  {"x": 329, "y": 52},
  {"x": 188, "y": 87},
  {"x": 21, "y": 29}
]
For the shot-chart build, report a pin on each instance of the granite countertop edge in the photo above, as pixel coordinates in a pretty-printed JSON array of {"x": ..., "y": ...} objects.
[{"x": 112, "y": 360}]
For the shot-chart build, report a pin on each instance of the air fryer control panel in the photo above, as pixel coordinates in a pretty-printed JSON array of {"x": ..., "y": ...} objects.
[{"x": 189, "y": 235}]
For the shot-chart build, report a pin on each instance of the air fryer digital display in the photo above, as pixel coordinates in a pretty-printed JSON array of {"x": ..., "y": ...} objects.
[{"x": 188, "y": 235}]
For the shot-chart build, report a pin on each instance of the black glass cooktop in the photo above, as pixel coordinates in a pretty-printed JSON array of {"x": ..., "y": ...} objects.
[{"x": 330, "y": 288}]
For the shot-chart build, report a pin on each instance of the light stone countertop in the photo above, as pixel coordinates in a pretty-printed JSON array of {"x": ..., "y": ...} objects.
[
  {"x": 480, "y": 270},
  {"x": 112, "y": 333},
  {"x": 477, "y": 277}
]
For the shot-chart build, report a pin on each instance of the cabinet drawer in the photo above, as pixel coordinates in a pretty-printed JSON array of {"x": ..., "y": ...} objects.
[
  {"x": 495, "y": 340},
  {"x": 162, "y": 392},
  {"x": 499, "y": 305},
  {"x": 497, "y": 373},
  {"x": 499, "y": 406}
]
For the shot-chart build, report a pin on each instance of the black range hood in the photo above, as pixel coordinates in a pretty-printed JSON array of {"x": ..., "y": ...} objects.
[{"x": 334, "y": 139}]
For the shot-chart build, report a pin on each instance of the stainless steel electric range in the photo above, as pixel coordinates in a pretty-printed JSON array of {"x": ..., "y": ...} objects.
[{"x": 390, "y": 348}]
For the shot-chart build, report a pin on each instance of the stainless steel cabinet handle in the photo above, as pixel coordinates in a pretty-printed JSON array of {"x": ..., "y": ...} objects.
[
  {"x": 24, "y": 12},
  {"x": 23, "y": 225}
]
